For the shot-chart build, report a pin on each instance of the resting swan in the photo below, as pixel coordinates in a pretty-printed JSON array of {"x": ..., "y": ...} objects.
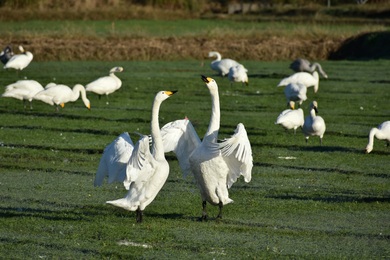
[
  {"x": 23, "y": 90},
  {"x": 303, "y": 78},
  {"x": 382, "y": 132},
  {"x": 60, "y": 94},
  {"x": 145, "y": 171},
  {"x": 314, "y": 125},
  {"x": 300, "y": 65},
  {"x": 220, "y": 65},
  {"x": 291, "y": 118},
  {"x": 215, "y": 166},
  {"x": 105, "y": 85},
  {"x": 19, "y": 61}
]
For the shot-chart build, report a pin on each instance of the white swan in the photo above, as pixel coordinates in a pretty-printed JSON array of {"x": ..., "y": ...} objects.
[
  {"x": 60, "y": 94},
  {"x": 300, "y": 65},
  {"x": 220, "y": 65},
  {"x": 314, "y": 125},
  {"x": 303, "y": 78},
  {"x": 23, "y": 90},
  {"x": 238, "y": 73},
  {"x": 295, "y": 92},
  {"x": 146, "y": 169},
  {"x": 382, "y": 132},
  {"x": 19, "y": 61},
  {"x": 291, "y": 118},
  {"x": 6, "y": 54},
  {"x": 105, "y": 85},
  {"x": 215, "y": 166}
]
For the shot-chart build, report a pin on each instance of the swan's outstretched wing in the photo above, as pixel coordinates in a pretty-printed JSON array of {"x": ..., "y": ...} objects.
[
  {"x": 180, "y": 137},
  {"x": 140, "y": 159},
  {"x": 237, "y": 153},
  {"x": 114, "y": 160}
]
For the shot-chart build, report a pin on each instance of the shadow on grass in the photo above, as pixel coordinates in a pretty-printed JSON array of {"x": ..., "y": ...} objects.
[{"x": 333, "y": 198}]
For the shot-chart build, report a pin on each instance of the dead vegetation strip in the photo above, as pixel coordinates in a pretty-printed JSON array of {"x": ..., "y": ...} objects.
[{"x": 114, "y": 48}]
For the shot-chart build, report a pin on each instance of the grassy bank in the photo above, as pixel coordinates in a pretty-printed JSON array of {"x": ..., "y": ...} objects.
[{"x": 329, "y": 201}]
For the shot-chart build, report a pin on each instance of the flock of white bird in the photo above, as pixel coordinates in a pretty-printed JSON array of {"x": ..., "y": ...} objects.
[
  {"x": 215, "y": 164},
  {"x": 53, "y": 94}
]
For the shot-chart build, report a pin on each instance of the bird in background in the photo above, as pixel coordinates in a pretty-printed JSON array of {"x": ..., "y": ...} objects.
[
  {"x": 6, "y": 54},
  {"x": 215, "y": 165},
  {"x": 106, "y": 85},
  {"x": 238, "y": 73},
  {"x": 142, "y": 169},
  {"x": 19, "y": 61},
  {"x": 304, "y": 78},
  {"x": 382, "y": 132},
  {"x": 303, "y": 65},
  {"x": 291, "y": 118},
  {"x": 295, "y": 92},
  {"x": 24, "y": 90},
  {"x": 220, "y": 65},
  {"x": 59, "y": 95},
  {"x": 314, "y": 125}
]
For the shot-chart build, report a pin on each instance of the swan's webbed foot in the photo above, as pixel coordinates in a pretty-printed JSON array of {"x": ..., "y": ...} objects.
[
  {"x": 220, "y": 205},
  {"x": 139, "y": 215}
]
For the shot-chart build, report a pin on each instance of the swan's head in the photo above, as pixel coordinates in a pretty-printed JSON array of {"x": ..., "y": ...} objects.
[
  {"x": 369, "y": 148},
  {"x": 87, "y": 103},
  {"x": 291, "y": 105},
  {"x": 314, "y": 105},
  {"x": 212, "y": 54},
  {"x": 210, "y": 82},
  {"x": 163, "y": 95},
  {"x": 116, "y": 69},
  {"x": 21, "y": 49}
]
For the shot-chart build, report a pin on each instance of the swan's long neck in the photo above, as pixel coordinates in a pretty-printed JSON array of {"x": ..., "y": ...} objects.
[
  {"x": 215, "y": 114},
  {"x": 117, "y": 80},
  {"x": 77, "y": 90},
  {"x": 316, "y": 65},
  {"x": 218, "y": 55},
  {"x": 371, "y": 136},
  {"x": 157, "y": 147}
]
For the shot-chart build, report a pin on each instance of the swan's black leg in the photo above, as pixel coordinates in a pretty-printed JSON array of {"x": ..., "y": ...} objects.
[
  {"x": 204, "y": 212},
  {"x": 139, "y": 215},
  {"x": 220, "y": 210}
]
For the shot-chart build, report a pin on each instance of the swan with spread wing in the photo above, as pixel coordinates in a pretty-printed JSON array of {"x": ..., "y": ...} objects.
[
  {"x": 215, "y": 165},
  {"x": 142, "y": 170}
]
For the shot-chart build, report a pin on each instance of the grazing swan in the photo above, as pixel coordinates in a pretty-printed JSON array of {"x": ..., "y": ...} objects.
[
  {"x": 382, "y": 132},
  {"x": 19, "y": 61},
  {"x": 303, "y": 78},
  {"x": 60, "y": 94},
  {"x": 146, "y": 169},
  {"x": 295, "y": 92},
  {"x": 23, "y": 90},
  {"x": 314, "y": 125},
  {"x": 6, "y": 54},
  {"x": 300, "y": 65},
  {"x": 105, "y": 85},
  {"x": 215, "y": 166},
  {"x": 222, "y": 66},
  {"x": 238, "y": 73},
  {"x": 290, "y": 118}
]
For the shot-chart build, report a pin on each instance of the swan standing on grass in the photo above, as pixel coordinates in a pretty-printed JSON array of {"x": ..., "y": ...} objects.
[
  {"x": 314, "y": 125},
  {"x": 106, "y": 85},
  {"x": 303, "y": 78},
  {"x": 215, "y": 166},
  {"x": 300, "y": 65},
  {"x": 19, "y": 61},
  {"x": 382, "y": 132},
  {"x": 295, "y": 92},
  {"x": 238, "y": 73},
  {"x": 290, "y": 118},
  {"x": 60, "y": 94},
  {"x": 23, "y": 90},
  {"x": 222, "y": 66},
  {"x": 6, "y": 54},
  {"x": 146, "y": 170}
]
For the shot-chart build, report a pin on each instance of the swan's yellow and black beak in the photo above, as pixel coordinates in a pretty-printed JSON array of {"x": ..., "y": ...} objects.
[
  {"x": 206, "y": 79},
  {"x": 170, "y": 93}
]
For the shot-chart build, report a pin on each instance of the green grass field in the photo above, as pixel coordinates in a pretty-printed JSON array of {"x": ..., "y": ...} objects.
[{"x": 329, "y": 202}]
